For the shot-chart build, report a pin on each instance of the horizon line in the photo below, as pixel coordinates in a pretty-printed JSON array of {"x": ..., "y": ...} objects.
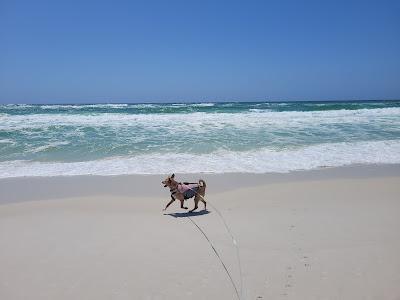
[{"x": 196, "y": 102}]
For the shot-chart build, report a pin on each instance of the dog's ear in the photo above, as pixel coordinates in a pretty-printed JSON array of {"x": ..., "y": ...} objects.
[{"x": 173, "y": 175}]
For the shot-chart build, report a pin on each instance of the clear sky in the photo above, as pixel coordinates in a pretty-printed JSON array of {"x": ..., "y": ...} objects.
[{"x": 141, "y": 51}]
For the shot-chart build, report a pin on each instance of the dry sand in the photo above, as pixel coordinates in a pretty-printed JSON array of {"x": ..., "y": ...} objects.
[{"x": 329, "y": 234}]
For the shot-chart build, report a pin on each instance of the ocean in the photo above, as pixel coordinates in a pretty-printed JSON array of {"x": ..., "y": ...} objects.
[{"x": 255, "y": 137}]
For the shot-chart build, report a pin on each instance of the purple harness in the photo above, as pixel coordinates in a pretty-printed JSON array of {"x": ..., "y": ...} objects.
[{"x": 188, "y": 190}]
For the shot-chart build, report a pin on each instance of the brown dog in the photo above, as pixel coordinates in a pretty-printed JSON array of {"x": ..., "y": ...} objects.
[{"x": 181, "y": 191}]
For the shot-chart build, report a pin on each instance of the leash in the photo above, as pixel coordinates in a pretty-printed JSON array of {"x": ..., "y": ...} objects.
[
  {"x": 218, "y": 256},
  {"x": 234, "y": 242}
]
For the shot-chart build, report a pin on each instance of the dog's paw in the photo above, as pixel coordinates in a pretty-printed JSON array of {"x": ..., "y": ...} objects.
[{"x": 184, "y": 207}]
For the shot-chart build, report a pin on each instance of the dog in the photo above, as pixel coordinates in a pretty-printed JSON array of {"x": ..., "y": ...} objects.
[{"x": 182, "y": 191}]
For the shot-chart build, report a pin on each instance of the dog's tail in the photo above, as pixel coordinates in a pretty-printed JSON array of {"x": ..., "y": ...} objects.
[{"x": 202, "y": 183}]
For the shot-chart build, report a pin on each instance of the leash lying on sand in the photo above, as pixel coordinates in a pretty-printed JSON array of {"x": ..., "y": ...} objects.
[
  {"x": 235, "y": 244},
  {"x": 218, "y": 256}
]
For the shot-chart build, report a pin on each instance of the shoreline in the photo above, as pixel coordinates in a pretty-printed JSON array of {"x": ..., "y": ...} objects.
[{"x": 55, "y": 187}]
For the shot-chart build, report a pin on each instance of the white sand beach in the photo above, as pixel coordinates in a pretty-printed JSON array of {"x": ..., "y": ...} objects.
[{"x": 328, "y": 234}]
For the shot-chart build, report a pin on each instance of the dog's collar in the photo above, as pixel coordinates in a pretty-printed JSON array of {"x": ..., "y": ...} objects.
[{"x": 173, "y": 191}]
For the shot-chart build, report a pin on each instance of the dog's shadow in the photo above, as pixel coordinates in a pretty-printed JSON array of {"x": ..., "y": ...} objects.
[{"x": 188, "y": 214}]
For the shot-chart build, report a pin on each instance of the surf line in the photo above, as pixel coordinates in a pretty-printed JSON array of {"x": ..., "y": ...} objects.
[{"x": 235, "y": 244}]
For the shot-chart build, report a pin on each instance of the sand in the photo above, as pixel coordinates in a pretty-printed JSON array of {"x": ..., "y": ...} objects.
[{"x": 328, "y": 234}]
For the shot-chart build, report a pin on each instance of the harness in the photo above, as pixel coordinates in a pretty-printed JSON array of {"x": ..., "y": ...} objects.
[{"x": 188, "y": 189}]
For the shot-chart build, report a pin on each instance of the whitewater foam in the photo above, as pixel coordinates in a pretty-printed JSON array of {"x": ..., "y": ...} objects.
[
  {"x": 238, "y": 120},
  {"x": 260, "y": 161},
  {"x": 51, "y": 145}
]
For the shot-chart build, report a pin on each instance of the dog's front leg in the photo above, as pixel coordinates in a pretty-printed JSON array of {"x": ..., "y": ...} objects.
[{"x": 169, "y": 203}]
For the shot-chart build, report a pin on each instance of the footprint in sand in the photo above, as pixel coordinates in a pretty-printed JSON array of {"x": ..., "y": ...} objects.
[
  {"x": 305, "y": 261},
  {"x": 289, "y": 280}
]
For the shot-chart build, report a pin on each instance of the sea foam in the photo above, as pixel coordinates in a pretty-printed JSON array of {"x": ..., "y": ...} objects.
[
  {"x": 260, "y": 161},
  {"x": 239, "y": 120}
]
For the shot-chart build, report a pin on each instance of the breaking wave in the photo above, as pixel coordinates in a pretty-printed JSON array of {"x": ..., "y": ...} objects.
[{"x": 260, "y": 161}]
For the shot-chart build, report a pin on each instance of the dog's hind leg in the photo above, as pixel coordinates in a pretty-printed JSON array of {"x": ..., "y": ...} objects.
[
  {"x": 183, "y": 207},
  {"x": 205, "y": 203},
  {"x": 196, "y": 202}
]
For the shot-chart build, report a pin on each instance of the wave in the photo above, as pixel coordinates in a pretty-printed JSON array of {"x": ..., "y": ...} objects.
[
  {"x": 258, "y": 110},
  {"x": 81, "y": 106},
  {"x": 260, "y": 161},
  {"x": 255, "y": 119},
  {"x": 16, "y": 106},
  {"x": 6, "y": 141},
  {"x": 206, "y": 104},
  {"x": 49, "y": 146}
]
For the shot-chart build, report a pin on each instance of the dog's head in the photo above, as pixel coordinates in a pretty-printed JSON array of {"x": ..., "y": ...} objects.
[{"x": 169, "y": 181}]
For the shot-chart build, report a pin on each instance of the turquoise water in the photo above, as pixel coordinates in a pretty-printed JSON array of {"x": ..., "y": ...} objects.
[{"x": 111, "y": 139}]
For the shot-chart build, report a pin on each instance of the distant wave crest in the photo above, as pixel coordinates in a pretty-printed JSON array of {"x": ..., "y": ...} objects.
[{"x": 255, "y": 118}]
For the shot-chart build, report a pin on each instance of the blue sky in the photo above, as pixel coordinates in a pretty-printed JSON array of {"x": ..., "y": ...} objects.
[{"x": 141, "y": 51}]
